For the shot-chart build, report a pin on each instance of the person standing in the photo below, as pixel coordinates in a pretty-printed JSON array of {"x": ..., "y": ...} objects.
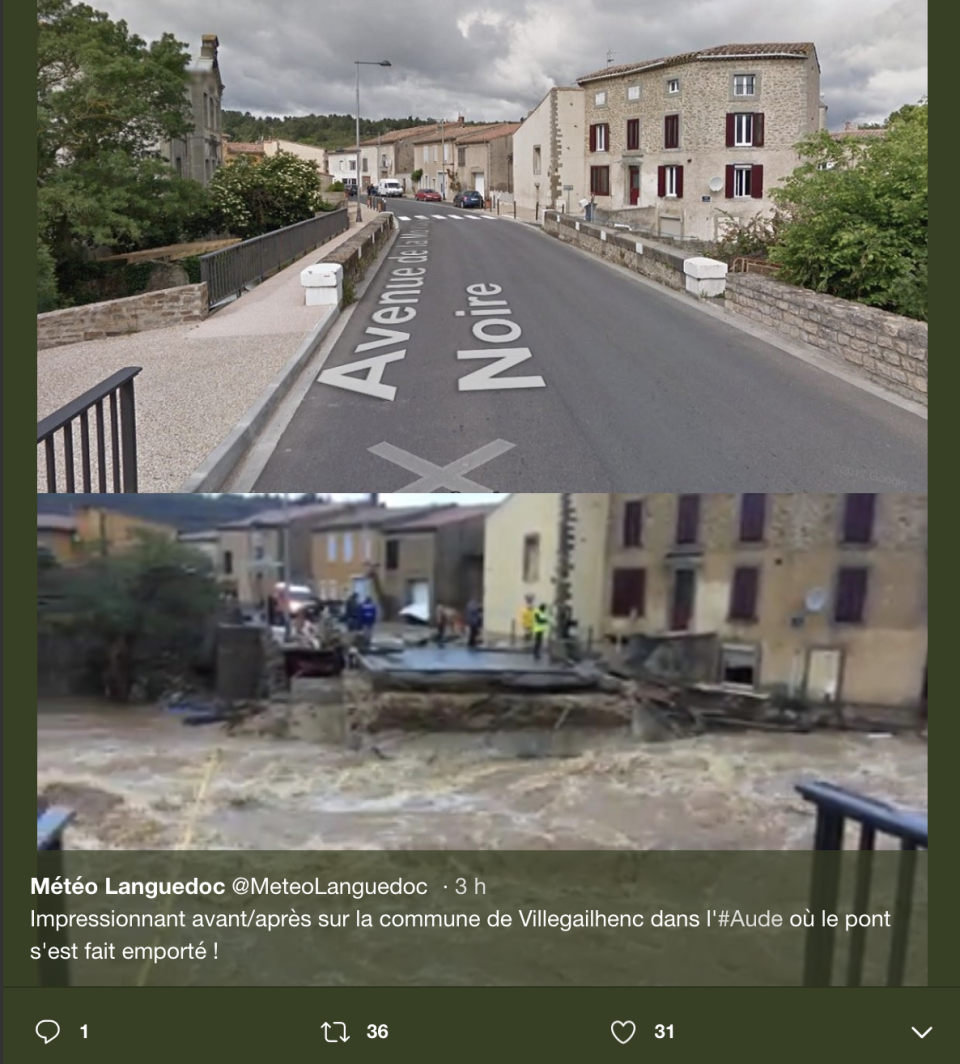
[
  {"x": 474, "y": 623},
  {"x": 442, "y": 622},
  {"x": 368, "y": 616},
  {"x": 526, "y": 619},
  {"x": 541, "y": 623}
]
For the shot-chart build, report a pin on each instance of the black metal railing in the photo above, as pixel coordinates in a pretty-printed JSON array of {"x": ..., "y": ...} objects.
[
  {"x": 51, "y": 935},
  {"x": 230, "y": 270},
  {"x": 836, "y": 806},
  {"x": 121, "y": 469}
]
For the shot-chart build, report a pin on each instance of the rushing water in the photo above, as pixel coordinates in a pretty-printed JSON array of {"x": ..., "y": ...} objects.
[{"x": 140, "y": 779}]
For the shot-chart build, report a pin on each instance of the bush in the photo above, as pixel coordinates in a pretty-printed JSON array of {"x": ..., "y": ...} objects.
[
  {"x": 751, "y": 239},
  {"x": 337, "y": 186},
  {"x": 47, "y": 295},
  {"x": 192, "y": 265}
]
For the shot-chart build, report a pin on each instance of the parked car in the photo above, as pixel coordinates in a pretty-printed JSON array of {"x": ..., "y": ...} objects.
[
  {"x": 372, "y": 190},
  {"x": 429, "y": 194},
  {"x": 390, "y": 186},
  {"x": 468, "y": 199}
]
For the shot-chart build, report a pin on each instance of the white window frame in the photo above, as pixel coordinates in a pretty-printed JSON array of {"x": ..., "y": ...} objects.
[
  {"x": 601, "y": 139},
  {"x": 633, "y": 93},
  {"x": 673, "y": 86},
  {"x": 743, "y": 130},
  {"x": 368, "y": 548},
  {"x": 670, "y": 185},
  {"x": 348, "y": 546},
  {"x": 331, "y": 546},
  {"x": 745, "y": 79},
  {"x": 600, "y": 98},
  {"x": 742, "y": 182}
]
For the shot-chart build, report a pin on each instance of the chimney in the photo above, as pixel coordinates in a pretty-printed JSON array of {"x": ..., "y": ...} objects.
[
  {"x": 847, "y": 126},
  {"x": 459, "y": 120},
  {"x": 209, "y": 45}
]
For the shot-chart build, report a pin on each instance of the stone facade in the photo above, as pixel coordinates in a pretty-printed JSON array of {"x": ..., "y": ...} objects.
[
  {"x": 199, "y": 154},
  {"x": 548, "y": 151},
  {"x": 698, "y": 90},
  {"x": 117, "y": 317},
  {"x": 357, "y": 252},
  {"x": 888, "y": 349}
]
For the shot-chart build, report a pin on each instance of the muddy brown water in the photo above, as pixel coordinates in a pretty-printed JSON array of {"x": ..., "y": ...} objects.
[{"x": 133, "y": 776}]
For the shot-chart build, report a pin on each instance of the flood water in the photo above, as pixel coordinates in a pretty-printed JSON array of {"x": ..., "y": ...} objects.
[{"x": 139, "y": 779}]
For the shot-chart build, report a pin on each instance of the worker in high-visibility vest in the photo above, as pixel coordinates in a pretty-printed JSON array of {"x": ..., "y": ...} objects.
[
  {"x": 526, "y": 619},
  {"x": 541, "y": 624}
]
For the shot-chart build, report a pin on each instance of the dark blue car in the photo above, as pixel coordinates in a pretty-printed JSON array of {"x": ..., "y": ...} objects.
[{"x": 468, "y": 199}]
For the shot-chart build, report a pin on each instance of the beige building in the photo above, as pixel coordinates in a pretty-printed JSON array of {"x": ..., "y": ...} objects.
[
  {"x": 485, "y": 159},
  {"x": 57, "y": 538},
  {"x": 549, "y": 152},
  {"x": 198, "y": 155},
  {"x": 821, "y": 596},
  {"x": 308, "y": 152},
  {"x": 675, "y": 144}
]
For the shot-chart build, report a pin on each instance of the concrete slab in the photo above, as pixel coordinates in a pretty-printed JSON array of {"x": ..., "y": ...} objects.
[{"x": 462, "y": 660}]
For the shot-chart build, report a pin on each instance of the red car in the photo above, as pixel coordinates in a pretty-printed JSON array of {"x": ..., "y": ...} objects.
[{"x": 429, "y": 194}]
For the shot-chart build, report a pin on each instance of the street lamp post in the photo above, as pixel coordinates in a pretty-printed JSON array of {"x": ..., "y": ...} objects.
[{"x": 359, "y": 63}]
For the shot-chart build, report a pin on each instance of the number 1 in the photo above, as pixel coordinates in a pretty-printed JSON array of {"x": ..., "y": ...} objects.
[{"x": 84, "y": 1029}]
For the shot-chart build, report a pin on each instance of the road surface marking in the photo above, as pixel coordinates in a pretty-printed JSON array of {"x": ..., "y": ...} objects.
[
  {"x": 455, "y": 217},
  {"x": 421, "y": 217},
  {"x": 404, "y": 217},
  {"x": 439, "y": 217},
  {"x": 370, "y": 382},
  {"x": 448, "y": 476},
  {"x": 485, "y": 379},
  {"x": 489, "y": 217}
]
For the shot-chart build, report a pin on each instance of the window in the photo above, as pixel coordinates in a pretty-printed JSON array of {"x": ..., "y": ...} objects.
[
  {"x": 259, "y": 553},
  {"x": 744, "y": 130},
  {"x": 536, "y": 159},
  {"x": 600, "y": 99},
  {"x": 633, "y": 524},
  {"x": 348, "y": 546},
  {"x": 851, "y": 595},
  {"x": 353, "y": 164},
  {"x": 633, "y": 92},
  {"x": 673, "y": 86},
  {"x": 364, "y": 165},
  {"x": 633, "y": 134},
  {"x": 368, "y": 548},
  {"x": 531, "y": 559},
  {"x": 744, "y": 181},
  {"x": 688, "y": 519},
  {"x": 392, "y": 559},
  {"x": 461, "y": 156},
  {"x": 670, "y": 181},
  {"x": 228, "y": 562},
  {"x": 744, "y": 593},
  {"x": 858, "y": 518},
  {"x": 600, "y": 180},
  {"x": 739, "y": 666},
  {"x": 753, "y": 516},
  {"x": 331, "y": 546},
  {"x": 600, "y": 137},
  {"x": 671, "y": 131},
  {"x": 684, "y": 599},
  {"x": 744, "y": 84},
  {"x": 629, "y": 593}
]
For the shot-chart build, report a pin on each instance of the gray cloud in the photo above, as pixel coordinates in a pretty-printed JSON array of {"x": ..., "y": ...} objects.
[{"x": 497, "y": 60}]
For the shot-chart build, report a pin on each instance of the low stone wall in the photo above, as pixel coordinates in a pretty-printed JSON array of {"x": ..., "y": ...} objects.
[
  {"x": 661, "y": 264},
  {"x": 117, "y": 317},
  {"x": 886, "y": 348},
  {"x": 356, "y": 253}
]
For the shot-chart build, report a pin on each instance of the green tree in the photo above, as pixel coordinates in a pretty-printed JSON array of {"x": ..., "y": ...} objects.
[
  {"x": 257, "y": 197},
  {"x": 142, "y": 613},
  {"x": 855, "y": 216},
  {"x": 105, "y": 99},
  {"x": 47, "y": 298}
]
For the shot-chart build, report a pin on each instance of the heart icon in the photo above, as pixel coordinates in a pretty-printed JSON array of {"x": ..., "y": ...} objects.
[{"x": 624, "y": 1032}]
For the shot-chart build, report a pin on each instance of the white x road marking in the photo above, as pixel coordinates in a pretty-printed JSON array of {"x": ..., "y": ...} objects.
[{"x": 448, "y": 476}]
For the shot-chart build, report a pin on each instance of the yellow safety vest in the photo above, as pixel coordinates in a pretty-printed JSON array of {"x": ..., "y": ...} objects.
[
  {"x": 526, "y": 618},
  {"x": 541, "y": 621}
]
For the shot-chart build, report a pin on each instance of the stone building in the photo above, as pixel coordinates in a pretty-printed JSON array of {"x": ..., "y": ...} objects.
[
  {"x": 199, "y": 154},
  {"x": 674, "y": 145},
  {"x": 817, "y": 595},
  {"x": 549, "y": 152}
]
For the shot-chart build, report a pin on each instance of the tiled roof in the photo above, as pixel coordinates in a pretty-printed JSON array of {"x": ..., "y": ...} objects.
[
  {"x": 451, "y": 131},
  {"x": 243, "y": 148},
  {"x": 55, "y": 523},
  {"x": 437, "y": 517},
  {"x": 368, "y": 516},
  {"x": 721, "y": 51},
  {"x": 398, "y": 134},
  {"x": 279, "y": 516},
  {"x": 505, "y": 129},
  {"x": 858, "y": 134}
]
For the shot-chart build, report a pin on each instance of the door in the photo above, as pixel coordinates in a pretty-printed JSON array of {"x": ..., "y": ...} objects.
[
  {"x": 442, "y": 183},
  {"x": 478, "y": 183},
  {"x": 634, "y": 185},
  {"x": 684, "y": 598},
  {"x": 823, "y": 675},
  {"x": 360, "y": 586}
]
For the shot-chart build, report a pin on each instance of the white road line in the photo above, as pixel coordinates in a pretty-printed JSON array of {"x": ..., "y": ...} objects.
[
  {"x": 421, "y": 217},
  {"x": 439, "y": 217},
  {"x": 455, "y": 217},
  {"x": 489, "y": 217},
  {"x": 449, "y": 476},
  {"x": 404, "y": 217}
]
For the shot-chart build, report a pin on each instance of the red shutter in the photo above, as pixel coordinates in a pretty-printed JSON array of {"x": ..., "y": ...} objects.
[
  {"x": 729, "y": 182},
  {"x": 593, "y": 138},
  {"x": 756, "y": 182},
  {"x": 758, "y": 131},
  {"x": 731, "y": 130},
  {"x": 679, "y": 182},
  {"x": 661, "y": 181},
  {"x": 606, "y": 137}
]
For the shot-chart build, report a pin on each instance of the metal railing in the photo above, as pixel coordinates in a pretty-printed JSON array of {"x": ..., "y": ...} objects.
[
  {"x": 835, "y": 806},
  {"x": 229, "y": 271},
  {"x": 51, "y": 824},
  {"x": 121, "y": 471}
]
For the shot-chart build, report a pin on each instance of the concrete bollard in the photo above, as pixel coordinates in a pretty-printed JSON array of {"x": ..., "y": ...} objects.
[
  {"x": 706, "y": 278},
  {"x": 323, "y": 284}
]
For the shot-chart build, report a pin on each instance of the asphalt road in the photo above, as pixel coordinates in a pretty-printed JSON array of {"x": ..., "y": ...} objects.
[{"x": 625, "y": 386}]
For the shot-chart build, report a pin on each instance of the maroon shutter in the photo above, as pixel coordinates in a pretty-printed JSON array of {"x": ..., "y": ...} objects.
[
  {"x": 756, "y": 182},
  {"x": 753, "y": 517},
  {"x": 661, "y": 181},
  {"x": 851, "y": 595},
  {"x": 731, "y": 129},
  {"x": 633, "y": 524},
  {"x": 606, "y": 137},
  {"x": 593, "y": 138},
  {"x": 743, "y": 594},
  {"x": 858, "y": 519},
  {"x": 729, "y": 182},
  {"x": 629, "y": 592},
  {"x": 758, "y": 130},
  {"x": 679, "y": 182},
  {"x": 688, "y": 519}
]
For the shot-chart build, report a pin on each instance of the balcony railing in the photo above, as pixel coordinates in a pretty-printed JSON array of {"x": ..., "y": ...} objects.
[
  {"x": 836, "y": 806},
  {"x": 121, "y": 469},
  {"x": 231, "y": 270}
]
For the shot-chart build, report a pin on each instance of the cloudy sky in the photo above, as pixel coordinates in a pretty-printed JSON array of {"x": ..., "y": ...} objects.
[{"x": 496, "y": 60}]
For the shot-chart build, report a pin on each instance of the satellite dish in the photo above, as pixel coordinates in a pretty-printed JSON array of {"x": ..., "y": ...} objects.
[
  {"x": 817, "y": 600},
  {"x": 716, "y": 183}
]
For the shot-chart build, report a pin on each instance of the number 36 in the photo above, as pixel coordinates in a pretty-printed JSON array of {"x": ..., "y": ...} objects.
[{"x": 373, "y": 1031}]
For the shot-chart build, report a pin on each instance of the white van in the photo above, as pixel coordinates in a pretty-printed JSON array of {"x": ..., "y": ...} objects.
[{"x": 390, "y": 186}]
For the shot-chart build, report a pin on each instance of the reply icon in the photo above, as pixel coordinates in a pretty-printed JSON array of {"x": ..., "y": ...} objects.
[{"x": 50, "y": 1030}]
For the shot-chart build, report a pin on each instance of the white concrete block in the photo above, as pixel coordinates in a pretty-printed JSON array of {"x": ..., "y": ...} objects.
[
  {"x": 324, "y": 297},
  {"x": 639, "y": 248},
  {"x": 703, "y": 268},
  {"x": 322, "y": 275},
  {"x": 708, "y": 288}
]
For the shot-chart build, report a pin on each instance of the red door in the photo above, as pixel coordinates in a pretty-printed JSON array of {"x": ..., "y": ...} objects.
[{"x": 634, "y": 185}]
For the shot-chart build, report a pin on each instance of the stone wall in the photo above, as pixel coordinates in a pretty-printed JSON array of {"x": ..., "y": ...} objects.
[
  {"x": 886, "y": 348},
  {"x": 117, "y": 317},
  {"x": 661, "y": 264},
  {"x": 357, "y": 252}
]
